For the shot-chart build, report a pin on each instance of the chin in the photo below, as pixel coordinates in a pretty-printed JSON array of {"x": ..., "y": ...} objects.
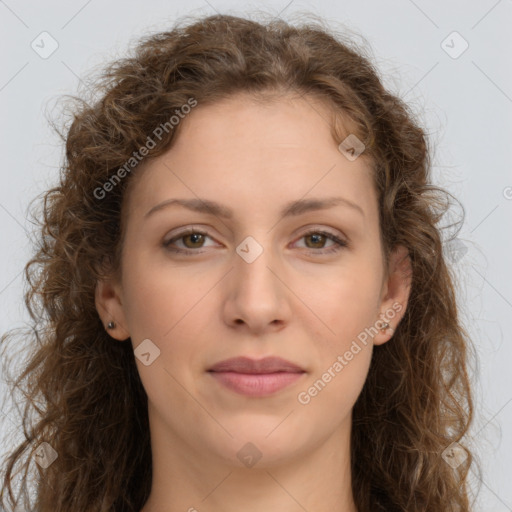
[{"x": 262, "y": 446}]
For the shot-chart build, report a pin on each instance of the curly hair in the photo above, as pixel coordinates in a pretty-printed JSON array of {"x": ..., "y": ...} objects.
[{"x": 417, "y": 399}]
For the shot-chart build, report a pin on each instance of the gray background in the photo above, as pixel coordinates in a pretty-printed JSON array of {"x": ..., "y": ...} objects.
[{"x": 464, "y": 100}]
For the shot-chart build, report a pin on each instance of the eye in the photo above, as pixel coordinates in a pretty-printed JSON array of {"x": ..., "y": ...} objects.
[
  {"x": 319, "y": 237},
  {"x": 194, "y": 239}
]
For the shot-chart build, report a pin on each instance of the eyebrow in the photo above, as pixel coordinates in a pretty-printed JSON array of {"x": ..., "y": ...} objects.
[{"x": 292, "y": 208}]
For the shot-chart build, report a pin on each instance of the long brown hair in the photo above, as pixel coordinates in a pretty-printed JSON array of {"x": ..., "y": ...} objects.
[{"x": 82, "y": 391}]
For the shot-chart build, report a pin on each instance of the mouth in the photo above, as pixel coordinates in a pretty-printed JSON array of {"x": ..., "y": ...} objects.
[{"x": 252, "y": 377}]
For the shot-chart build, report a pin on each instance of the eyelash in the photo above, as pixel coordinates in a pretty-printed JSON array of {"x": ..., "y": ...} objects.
[{"x": 340, "y": 244}]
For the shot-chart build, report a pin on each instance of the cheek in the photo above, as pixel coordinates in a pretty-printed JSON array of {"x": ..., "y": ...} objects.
[
  {"x": 337, "y": 380},
  {"x": 166, "y": 305},
  {"x": 350, "y": 307},
  {"x": 346, "y": 304},
  {"x": 151, "y": 303},
  {"x": 150, "y": 307},
  {"x": 166, "y": 308}
]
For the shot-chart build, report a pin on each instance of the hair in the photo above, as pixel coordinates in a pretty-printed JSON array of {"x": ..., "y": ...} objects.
[{"x": 90, "y": 403}]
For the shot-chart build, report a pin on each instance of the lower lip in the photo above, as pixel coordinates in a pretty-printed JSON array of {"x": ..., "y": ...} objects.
[{"x": 251, "y": 384}]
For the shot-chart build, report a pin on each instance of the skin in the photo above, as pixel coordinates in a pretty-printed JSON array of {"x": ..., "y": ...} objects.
[{"x": 292, "y": 301}]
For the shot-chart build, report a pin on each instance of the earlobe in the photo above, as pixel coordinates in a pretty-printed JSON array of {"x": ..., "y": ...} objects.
[
  {"x": 395, "y": 294},
  {"x": 110, "y": 309}
]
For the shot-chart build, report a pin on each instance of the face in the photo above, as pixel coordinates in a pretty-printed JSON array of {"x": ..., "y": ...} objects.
[{"x": 267, "y": 279}]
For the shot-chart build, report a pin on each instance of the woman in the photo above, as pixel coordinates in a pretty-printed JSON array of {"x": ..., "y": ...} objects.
[{"x": 245, "y": 298}]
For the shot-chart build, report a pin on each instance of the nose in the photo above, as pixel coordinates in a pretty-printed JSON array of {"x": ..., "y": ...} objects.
[{"x": 257, "y": 298}]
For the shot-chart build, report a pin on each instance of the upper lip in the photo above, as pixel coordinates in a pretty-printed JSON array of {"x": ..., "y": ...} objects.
[{"x": 248, "y": 365}]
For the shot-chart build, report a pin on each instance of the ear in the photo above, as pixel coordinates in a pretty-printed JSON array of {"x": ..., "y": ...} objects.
[
  {"x": 110, "y": 308},
  {"x": 395, "y": 293}
]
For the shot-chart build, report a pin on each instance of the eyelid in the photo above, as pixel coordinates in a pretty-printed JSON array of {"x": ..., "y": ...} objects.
[{"x": 319, "y": 228}]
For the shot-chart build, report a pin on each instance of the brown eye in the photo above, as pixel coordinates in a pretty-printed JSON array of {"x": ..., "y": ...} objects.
[
  {"x": 195, "y": 238},
  {"x": 318, "y": 240},
  {"x": 191, "y": 239}
]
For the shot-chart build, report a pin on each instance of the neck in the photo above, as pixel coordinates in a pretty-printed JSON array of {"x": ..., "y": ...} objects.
[{"x": 189, "y": 478}]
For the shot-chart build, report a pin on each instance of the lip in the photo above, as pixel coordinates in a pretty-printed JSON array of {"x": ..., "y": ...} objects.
[
  {"x": 256, "y": 377},
  {"x": 256, "y": 366}
]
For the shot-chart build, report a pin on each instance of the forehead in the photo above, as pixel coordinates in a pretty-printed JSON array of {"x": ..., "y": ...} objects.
[
  {"x": 248, "y": 122},
  {"x": 265, "y": 152}
]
